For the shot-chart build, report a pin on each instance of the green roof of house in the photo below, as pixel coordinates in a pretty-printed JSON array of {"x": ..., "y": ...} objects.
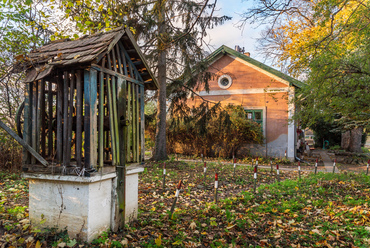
[{"x": 227, "y": 50}]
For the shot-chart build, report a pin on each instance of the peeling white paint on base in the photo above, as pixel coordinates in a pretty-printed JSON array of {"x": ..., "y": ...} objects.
[
  {"x": 275, "y": 148},
  {"x": 84, "y": 205}
]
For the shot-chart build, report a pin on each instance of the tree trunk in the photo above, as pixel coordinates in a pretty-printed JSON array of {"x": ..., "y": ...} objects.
[
  {"x": 160, "y": 152},
  {"x": 351, "y": 140}
]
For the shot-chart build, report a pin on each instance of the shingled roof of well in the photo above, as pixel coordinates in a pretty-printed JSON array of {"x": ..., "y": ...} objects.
[{"x": 83, "y": 51}]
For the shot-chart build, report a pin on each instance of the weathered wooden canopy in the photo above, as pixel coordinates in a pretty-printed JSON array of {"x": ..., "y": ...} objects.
[{"x": 84, "y": 101}]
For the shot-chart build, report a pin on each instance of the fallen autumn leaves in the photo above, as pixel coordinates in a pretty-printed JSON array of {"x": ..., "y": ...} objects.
[{"x": 325, "y": 210}]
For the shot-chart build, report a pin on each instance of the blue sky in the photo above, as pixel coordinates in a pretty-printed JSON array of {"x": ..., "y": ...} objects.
[{"x": 229, "y": 34}]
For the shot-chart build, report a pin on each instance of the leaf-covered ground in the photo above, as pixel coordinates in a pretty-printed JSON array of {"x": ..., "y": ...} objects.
[{"x": 323, "y": 210}]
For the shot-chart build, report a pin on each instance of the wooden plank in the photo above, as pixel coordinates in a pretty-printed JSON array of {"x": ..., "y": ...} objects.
[
  {"x": 114, "y": 60},
  {"x": 132, "y": 66},
  {"x": 90, "y": 125},
  {"x": 50, "y": 119},
  {"x": 123, "y": 57},
  {"x": 113, "y": 73},
  {"x": 70, "y": 115},
  {"x": 138, "y": 131},
  {"x": 129, "y": 129},
  {"x": 79, "y": 118},
  {"x": 59, "y": 145},
  {"x": 111, "y": 121},
  {"x": 142, "y": 124},
  {"x": 115, "y": 117},
  {"x": 42, "y": 118},
  {"x": 119, "y": 60},
  {"x": 101, "y": 120},
  {"x": 34, "y": 119},
  {"x": 24, "y": 144},
  {"x": 65, "y": 116},
  {"x": 27, "y": 125},
  {"x": 133, "y": 124}
]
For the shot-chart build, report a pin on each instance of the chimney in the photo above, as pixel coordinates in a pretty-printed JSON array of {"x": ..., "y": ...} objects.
[{"x": 247, "y": 54}]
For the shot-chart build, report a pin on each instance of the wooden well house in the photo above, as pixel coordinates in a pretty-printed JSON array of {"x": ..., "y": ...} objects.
[
  {"x": 84, "y": 114},
  {"x": 84, "y": 101}
]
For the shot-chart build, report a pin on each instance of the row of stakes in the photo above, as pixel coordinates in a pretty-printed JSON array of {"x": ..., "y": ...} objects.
[{"x": 254, "y": 176}]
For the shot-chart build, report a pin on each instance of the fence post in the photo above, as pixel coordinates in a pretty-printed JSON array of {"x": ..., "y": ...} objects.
[
  {"x": 299, "y": 169},
  {"x": 271, "y": 164},
  {"x": 277, "y": 173},
  {"x": 317, "y": 160}
]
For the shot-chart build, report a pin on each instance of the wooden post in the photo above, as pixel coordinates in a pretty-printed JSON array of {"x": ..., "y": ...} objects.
[
  {"x": 128, "y": 118},
  {"x": 34, "y": 119},
  {"x": 137, "y": 123},
  {"x": 271, "y": 165},
  {"x": 142, "y": 121},
  {"x": 79, "y": 121},
  {"x": 115, "y": 117},
  {"x": 27, "y": 126},
  {"x": 59, "y": 145},
  {"x": 121, "y": 168},
  {"x": 101, "y": 120},
  {"x": 317, "y": 160},
  {"x": 65, "y": 116},
  {"x": 277, "y": 173},
  {"x": 50, "y": 121},
  {"x": 70, "y": 116},
  {"x": 111, "y": 121},
  {"x": 90, "y": 120},
  {"x": 42, "y": 118},
  {"x": 234, "y": 164},
  {"x": 299, "y": 169}
]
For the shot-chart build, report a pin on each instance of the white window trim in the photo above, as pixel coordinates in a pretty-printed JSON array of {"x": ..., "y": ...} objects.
[{"x": 222, "y": 77}]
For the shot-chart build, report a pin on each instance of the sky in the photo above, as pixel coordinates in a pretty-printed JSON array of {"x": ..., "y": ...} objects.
[{"x": 229, "y": 34}]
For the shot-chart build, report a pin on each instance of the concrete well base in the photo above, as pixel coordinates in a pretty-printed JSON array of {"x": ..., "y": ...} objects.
[{"x": 86, "y": 206}]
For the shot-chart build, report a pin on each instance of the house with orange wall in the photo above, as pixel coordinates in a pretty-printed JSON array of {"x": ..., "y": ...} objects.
[{"x": 266, "y": 95}]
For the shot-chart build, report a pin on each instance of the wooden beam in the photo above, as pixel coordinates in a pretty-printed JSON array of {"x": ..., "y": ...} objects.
[
  {"x": 35, "y": 154},
  {"x": 70, "y": 115},
  {"x": 90, "y": 125},
  {"x": 101, "y": 120},
  {"x": 113, "y": 73},
  {"x": 115, "y": 117},
  {"x": 111, "y": 120}
]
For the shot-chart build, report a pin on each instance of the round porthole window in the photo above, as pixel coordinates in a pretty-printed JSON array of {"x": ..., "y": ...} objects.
[{"x": 224, "y": 81}]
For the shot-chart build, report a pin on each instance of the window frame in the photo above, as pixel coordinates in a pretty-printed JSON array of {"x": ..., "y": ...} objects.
[{"x": 263, "y": 112}]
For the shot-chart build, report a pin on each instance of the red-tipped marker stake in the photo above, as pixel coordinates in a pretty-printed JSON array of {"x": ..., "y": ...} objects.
[
  {"x": 234, "y": 159},
  {"x": 285, "y": 154},
  {"x": 216, "y": 186},
  {"x": 335, "y": 161},
  {"x": 176, "y": 196},
  {"x": 367, "y": 169},
  {"x": 257, "y": 161},
  {"x": 299, "y": 169},
  {"x": 202, "y": 157},
  {"x": 164, "y": 176},
  {"x": 277, "y": 173},
  {"x": 317, "y": 160},
  {"x": 255, "y": 179}
]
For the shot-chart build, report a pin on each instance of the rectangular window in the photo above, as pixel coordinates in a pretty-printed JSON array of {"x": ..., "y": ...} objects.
[{"x": 255, "y": 115}]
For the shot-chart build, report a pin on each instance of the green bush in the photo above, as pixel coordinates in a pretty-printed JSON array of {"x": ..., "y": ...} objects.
[{"x": 219, "y": 132}]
